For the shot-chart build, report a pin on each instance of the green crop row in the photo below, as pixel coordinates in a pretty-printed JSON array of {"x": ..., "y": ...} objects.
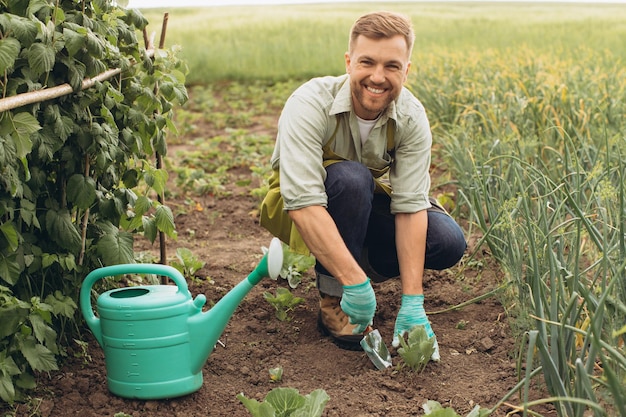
[{"x": 536, "y": 143}]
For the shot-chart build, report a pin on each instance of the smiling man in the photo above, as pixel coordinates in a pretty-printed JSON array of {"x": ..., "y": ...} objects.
[{"x": 351, "y": 184}]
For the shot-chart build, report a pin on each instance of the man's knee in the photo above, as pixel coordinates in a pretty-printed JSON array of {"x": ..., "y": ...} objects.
[
  {"x": 445, "y": 244},
  {"x": 349, "y": 177}
]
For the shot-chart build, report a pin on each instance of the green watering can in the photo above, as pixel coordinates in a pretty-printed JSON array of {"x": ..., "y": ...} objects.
[{"x": 156, "y": 338}]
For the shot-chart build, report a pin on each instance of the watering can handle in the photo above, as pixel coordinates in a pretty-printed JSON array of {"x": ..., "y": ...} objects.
[{"x": 85, "y": 292}]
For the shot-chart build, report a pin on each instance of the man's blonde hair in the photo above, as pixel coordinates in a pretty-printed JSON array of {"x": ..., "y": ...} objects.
[{"x": 383, "y": 25}]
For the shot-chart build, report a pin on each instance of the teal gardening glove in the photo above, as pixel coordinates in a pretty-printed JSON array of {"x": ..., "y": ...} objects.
[
  {"x": 359, "y": 303},
  {"x": 412, "y": 314}
]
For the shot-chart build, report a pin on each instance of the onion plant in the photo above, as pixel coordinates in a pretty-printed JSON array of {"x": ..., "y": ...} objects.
[{"x": 538, "y": 145}]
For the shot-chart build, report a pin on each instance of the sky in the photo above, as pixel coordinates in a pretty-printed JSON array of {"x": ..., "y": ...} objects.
[{"x": 186, "y": 3}]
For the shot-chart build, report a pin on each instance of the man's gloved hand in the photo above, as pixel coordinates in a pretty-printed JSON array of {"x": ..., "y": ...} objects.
[
  {"x": 359, "y": 303},
  {"x": 412, "y": 314}
]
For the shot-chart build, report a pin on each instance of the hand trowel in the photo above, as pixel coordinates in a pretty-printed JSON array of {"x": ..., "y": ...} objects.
[{"x": 376, "y": 349}]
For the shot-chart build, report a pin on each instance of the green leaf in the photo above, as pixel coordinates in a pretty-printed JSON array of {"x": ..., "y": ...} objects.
[
  {"x": 130, "y": 178},
  {"x": 255, "y": 408},
  {"x": 41, "y": 330},
  {"x": 28, "y": 213},
  {"x": 10, "y": 270},
  {"x": 61, "y": 229},
  {"x": 157, "y": 179},
  {"x": 21, "y": 28},
  {"x": 116, "y": 248},
  {"x": 39, "y": 357},
  {"x": 12, "y": 316},
  {"x": 9, "y": 51},
  {"x": 7, "y": 364},
  {"x": 142, "y": 205},
  {"x": 149, "y": 228},
  {"x": 95, "y": 46},
  {"x": 165, "y": 220},
  {"x": 7, "y": 389},
  {"x": 74, "y": 41},
  {"x": 62, "y": 305},
  {"x": 26, "y": 381},
  {"x": 8, "y": 368},
  {"x": 285, "y": 400},
  {"x": 41, "y": 58},
  {"x": 314, "y": 404},
  {"x": 10, "y": 234},
  {"x": 24, "y": 124},
  {"x": 81, "y": 191}
]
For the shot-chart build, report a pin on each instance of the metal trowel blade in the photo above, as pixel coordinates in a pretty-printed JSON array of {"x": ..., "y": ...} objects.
[{"x": 376, "y": 349}]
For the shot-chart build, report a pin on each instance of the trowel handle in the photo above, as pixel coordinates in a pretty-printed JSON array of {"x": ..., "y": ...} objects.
[{"x": 108, "y": 271}]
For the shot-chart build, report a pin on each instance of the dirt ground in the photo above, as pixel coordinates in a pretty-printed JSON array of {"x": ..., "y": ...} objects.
[{"x": 478, "y": 350}]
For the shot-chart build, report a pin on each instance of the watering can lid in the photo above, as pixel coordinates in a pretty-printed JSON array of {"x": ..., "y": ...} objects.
[{"x": 143, "y": 297}]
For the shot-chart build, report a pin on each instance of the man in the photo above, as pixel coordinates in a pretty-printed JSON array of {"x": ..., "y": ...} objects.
[{"x": 344, "y": 143}]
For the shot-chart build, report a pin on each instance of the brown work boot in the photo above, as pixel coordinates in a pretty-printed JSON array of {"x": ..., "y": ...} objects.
[{"x": 333, "y": 322}]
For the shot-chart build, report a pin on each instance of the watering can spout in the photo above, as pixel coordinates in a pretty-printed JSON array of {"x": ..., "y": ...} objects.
[{"x": 206, "y": 328}]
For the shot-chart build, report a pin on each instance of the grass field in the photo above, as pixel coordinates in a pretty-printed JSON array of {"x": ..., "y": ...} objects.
[
  {"x": 300, "y": 41},
  {"x": 527, "y": 105}
]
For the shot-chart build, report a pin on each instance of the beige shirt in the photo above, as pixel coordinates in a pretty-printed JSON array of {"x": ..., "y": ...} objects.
[{"x": 310, "y": 118}]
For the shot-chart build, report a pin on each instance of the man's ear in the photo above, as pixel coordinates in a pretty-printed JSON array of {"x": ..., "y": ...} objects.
[
  {"x": 347, "y": 58},
  {"x": 406, "y": 73}
]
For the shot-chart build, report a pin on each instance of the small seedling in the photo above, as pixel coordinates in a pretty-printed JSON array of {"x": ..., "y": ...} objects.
[
  {"x": 276, "y": 374},
  {"x": 84, "y": 351},
  {"x": 294, "y": 265},
  {"x": 462, "y": 324},
  {"x": 287, "y": 402},
  {"x": 284, "y": 302},
  {"x": 417, "y": 350},
  {"x": 435, "y": 409},
  {"x": 188, "y": 264}
]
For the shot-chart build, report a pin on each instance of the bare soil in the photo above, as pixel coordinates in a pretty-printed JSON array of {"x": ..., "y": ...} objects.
[{"x": 478, "y": 349}]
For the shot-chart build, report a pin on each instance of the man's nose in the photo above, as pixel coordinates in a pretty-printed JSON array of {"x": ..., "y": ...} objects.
[{"x": 378, "y": 75}]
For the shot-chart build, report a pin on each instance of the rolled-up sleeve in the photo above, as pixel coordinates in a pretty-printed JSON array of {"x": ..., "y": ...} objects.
[
  {"x": 302, "y": 128},
  {"x": 409, "y": 175}
]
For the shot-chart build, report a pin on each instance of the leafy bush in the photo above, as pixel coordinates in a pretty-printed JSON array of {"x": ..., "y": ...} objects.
[{"x": 76, "y": 177}]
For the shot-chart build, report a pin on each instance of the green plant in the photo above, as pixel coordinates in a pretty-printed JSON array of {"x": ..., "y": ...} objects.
[
  {"x": 284, "y": 302},
  {"x": 84, "y": 351},
  {"x": 276, "y": 374},
  {"x": 188, "y": 264},
  {"x": 435, "y": 409},
  {"x": 287, "y": 402},
  {"x": 417, "y": 349},
  {"x": 294, "y": 264}
]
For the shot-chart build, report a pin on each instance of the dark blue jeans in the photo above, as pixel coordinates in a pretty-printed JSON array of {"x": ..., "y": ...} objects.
[{"x": 368, "y": 228}]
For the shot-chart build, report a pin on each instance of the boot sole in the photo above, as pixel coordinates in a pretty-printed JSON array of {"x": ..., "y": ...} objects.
[{"x": 344, "y": 342}]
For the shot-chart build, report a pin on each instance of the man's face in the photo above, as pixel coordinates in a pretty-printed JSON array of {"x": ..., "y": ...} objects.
[{"x": 378, "y": 68}]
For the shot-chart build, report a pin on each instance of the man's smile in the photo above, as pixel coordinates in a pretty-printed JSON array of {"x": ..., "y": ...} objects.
[{"x": 375, "y": 90}]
